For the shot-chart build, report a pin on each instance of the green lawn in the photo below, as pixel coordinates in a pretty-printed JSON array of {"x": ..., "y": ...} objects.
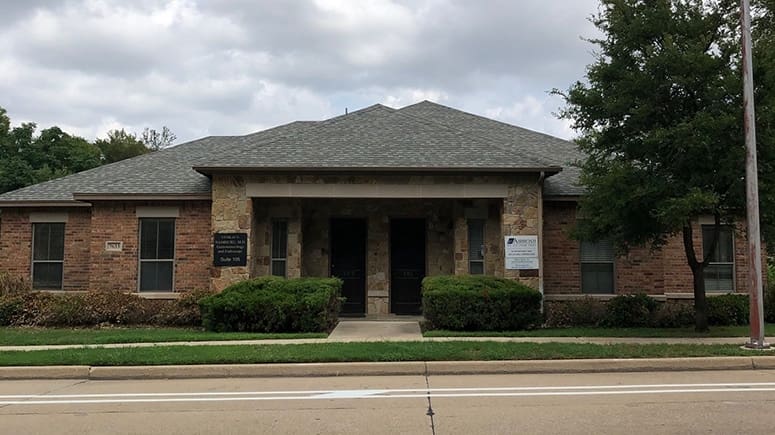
[
  {"x": 340, "y": 352},
  {"x": 32, "y": 336},
  {"x": 715, "y": 331}
]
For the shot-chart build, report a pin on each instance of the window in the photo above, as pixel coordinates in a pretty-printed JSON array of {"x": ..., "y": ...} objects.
[
  {"x": 279, "y": 246},
  {"x": 597, "y": 267},
  {"x": 48, "y": 253},
  {"x": 157, "y": 254},
  {"x": 476, "y": 246},
  {"x": 720, "y": 271}
]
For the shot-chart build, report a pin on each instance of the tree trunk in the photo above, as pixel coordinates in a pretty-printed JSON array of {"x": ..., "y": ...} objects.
[{"x": 700, "y": 303}]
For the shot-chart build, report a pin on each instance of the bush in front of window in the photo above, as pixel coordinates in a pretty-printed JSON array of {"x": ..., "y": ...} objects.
[
  {"x": 625, "y": 311},
  {"x": 274, "y": 304},
  {"x": 97, "y": 308},
  {"x": 586, "y": 311},
  {"x": 479, "y": 303},
  {"x": 728, "y": 309}
]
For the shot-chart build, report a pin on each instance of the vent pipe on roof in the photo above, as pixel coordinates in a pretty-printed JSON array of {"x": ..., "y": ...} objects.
[{"x": 345, "y": 111}]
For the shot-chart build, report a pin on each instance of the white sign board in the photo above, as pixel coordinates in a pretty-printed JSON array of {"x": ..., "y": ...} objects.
[{"x": 521, "y": 252}]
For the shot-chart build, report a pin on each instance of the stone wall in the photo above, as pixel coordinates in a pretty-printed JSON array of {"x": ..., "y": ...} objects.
[
  {"x": 232, "y": 212},
  {"x": 520, "y": 218}
]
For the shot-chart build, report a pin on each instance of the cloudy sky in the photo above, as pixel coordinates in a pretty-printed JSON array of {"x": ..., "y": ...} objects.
[{"x": 213, "y": 67}]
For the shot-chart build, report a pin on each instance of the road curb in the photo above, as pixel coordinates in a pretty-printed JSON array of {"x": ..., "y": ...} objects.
[{"x": 415, "y": 368}]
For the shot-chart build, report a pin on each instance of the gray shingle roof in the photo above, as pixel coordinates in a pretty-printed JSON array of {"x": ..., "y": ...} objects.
[
  {"x": 379, "y": 137},
  {"x": 422, "y": 136},
  {"x": 548, "y": 148}
]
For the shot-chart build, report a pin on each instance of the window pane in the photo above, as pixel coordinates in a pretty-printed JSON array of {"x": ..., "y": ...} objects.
[
  {"x": 156, "y": 276},
  {"x": 166, "y": 242},
  {"x": 476, "y": 268},
  {"x": 279, "y": 239},
  {"x": 40, "y": 234},
  {"x": 719, "y": 277},
  {"x": 56, "y": 245},
  {"x": 597, "y": 252},
  {"x": 724, "y": 247},
  {"x": 475, "y": 239},
  {"x": 597, "y": 278},
  {"x": 148, "y": 235},
  {"x": 278, "y": 268},
  {"x": 47, "y": 276}
]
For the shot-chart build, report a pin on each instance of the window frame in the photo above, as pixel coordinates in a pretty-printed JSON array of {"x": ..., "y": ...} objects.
[
  {"x": 140, "y": 259},
  {"x": 471, "y": 260},
  {"x": 732, "y": 264},
  {"x": 33, "y": 261},
  {"x": 612, "y": 262},
  {"x": 272, "y": 258}
]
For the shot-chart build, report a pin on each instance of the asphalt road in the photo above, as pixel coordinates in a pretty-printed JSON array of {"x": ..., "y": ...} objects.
[{"x": 626, "y": 403}]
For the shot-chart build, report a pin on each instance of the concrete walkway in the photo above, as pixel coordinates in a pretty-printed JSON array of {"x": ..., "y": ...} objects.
[{"x": 376, "y": 330}]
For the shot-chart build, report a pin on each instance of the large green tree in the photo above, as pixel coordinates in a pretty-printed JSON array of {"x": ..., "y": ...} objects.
[
  {"x": 27, "y": 158},
  {"x": 120, "y": 145},
  {"x": 660, "y": 118}
]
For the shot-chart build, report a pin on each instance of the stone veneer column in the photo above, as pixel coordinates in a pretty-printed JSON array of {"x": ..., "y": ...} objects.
[
  {"x": 460, "y": 230},
  {"x": 232, "y": 212},
  {"x": 520, "y": 218},
  {"x": 377, "y": 263},
  {"x": 294, "y": 258}
]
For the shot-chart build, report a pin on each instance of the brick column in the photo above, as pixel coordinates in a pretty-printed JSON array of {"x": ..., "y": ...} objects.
[{"x": 294, "y": 261}]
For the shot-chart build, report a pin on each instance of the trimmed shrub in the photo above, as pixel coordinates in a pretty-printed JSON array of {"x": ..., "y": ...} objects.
[
  {"x": 479, "y": 303},
  {"x": 12, "y": 285},
  {"x": 99, "y": 308},
  {"x": 273, "y": 304},
  {"x": 673, "y": 315},
  {"x": 626, "y": 311},
  {"x": 728, "y": 309},
  {"x": 769, "y": 303},
  {"x": 587, "y": 311}
]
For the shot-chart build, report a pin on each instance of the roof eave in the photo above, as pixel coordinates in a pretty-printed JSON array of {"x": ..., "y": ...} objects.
[
  {"x": 42, "y": 203},
  {"x": 141, "y": 196},
  {"x": 209, "y": 170}
]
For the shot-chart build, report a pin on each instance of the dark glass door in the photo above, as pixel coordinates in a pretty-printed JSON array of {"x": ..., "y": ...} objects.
[
  {"x": 348, "y": 262},
  {"x": 407, "y": 264}
]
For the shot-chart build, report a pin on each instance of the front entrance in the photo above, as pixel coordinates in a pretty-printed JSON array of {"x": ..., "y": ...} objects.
[
  {"x": 348, "y": 262},
  {"x": 407, "y": 265}
]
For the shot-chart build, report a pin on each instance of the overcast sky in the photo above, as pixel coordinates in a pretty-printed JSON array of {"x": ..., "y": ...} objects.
[{"x": 234, "y": 67}]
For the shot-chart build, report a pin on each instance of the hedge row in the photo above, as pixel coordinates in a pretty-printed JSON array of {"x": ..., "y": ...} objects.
[
  {"x": 272, "y": 304},
  {"x": 98, "y": 308},
  {"x": 480, "y": 303},
  {"x": 640, "y": 310}
]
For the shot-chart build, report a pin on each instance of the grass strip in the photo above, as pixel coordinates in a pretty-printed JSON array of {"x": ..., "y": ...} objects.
[
  {"x": 39, "y": 336},
  {"x": 352, "y": 352},
  {"x": 716, "y": 331}
]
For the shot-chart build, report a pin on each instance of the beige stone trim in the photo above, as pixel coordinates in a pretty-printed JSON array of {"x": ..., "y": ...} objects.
[
  {"x": 48, "y": 217},
  {"x": 157, "y": 212},
  {"x": 378, "y": 190}
]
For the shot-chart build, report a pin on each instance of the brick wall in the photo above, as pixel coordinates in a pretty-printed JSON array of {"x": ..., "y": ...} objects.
[
  {"x": 16, "y": 244},
  {"x": 117, "y": 221},
  {"x": 88, "y": 265},
  {"x": 641, "y": 270}
]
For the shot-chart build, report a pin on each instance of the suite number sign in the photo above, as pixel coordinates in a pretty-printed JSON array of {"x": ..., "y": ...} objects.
[{"x": 230, "y": 249}]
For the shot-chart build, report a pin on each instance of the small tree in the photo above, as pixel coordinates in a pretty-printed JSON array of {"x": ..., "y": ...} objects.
[
  {"x": 660, "y": 119},
  {"x": 155, "y": 140}
]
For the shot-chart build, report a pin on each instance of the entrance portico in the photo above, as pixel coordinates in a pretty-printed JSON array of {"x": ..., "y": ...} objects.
[{"x": 380, "y": 234}]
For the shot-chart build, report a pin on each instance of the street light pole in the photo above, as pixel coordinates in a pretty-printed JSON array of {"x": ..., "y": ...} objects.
[{"x": 752, "y": 189}]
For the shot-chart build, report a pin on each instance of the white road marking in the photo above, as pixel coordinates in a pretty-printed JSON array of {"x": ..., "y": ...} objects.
[
  {"x": 396, "y": 390},
  {"x": 231, "y": 396}
]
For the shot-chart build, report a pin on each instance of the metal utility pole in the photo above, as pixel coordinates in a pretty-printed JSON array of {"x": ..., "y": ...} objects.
[{"x": 752, "y": 189}]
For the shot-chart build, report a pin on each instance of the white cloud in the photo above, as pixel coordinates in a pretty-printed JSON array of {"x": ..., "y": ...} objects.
[{"x": 212, "y": 67}]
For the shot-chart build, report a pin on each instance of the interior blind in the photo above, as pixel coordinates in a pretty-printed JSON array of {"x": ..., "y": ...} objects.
[{"x": 597, "y": 252}]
